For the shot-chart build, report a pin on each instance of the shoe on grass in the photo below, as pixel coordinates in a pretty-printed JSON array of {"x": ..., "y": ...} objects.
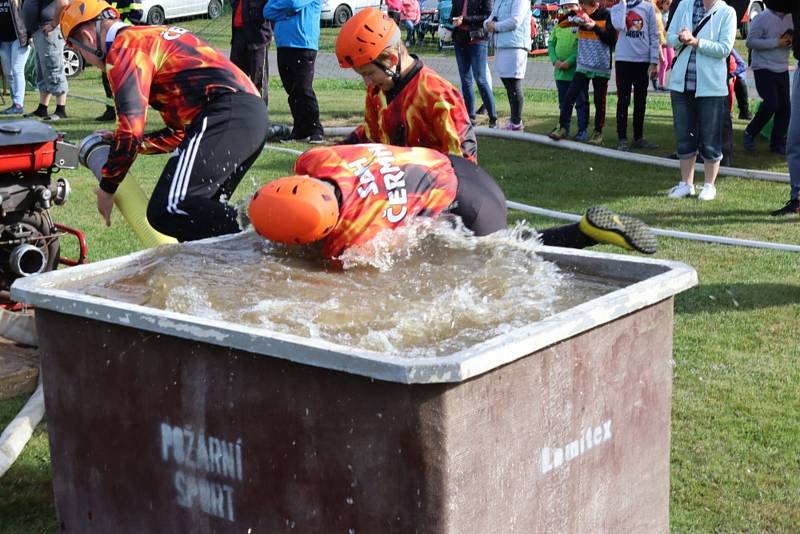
[
  {"x": 605, "y": 226},
  {"x": 13, "y": 109},
  {"x": 793, "y": 206},
  {"x": 745, "y": 115},
  {"x": 643, "y": 144},
  {"x": 315, "y": 139},
  {"x": 513, "y": 126},
  {"x": 708, "y": 192},
  {"x": 582, "y": 136},
  {"x": 56, "y": 116},
  {"x": 596, "y": 138},
  {"x": 749, "y": 142},
  {"x": 108, "y": 115},
  {"x": 681, "y": 190},
  {"x": 622, "y": 145},
  {"x": 493, "y": 122},
  {"x": 558, "y": 134}
]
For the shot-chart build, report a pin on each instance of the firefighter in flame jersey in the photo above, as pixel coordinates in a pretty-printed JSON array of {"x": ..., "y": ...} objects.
[
  {"x": 216, "y": 123},
  {"x": 345, "y": 195},
  {"x": 407, "y": 104}
]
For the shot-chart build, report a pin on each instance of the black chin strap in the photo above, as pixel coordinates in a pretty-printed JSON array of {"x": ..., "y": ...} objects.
[
  {"x": 393, "y": 74},
  {"x": 98, "y": 51}
]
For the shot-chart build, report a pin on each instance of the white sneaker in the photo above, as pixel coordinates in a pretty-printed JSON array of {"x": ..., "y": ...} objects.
[
  {"x": 681, "y": 190},
  {"x": 709, "y": 192}
]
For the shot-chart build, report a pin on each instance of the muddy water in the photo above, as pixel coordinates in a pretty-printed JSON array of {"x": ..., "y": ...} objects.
[{"x": 425, "y": 291}]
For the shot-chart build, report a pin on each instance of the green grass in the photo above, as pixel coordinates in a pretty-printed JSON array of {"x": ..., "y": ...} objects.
[{"x": 735, "y": 464}]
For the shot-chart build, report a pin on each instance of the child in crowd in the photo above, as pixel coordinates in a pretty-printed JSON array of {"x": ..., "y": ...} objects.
[
  {"x": 407, "y": 104},
  {"x": 596, "y": 39},
  {"x": 667, "y": 52},
  {"x": 740, "y": 86},
  {"x": 770, "y": 39},
  {"x": 562, "y": 48},
  {"x": 638, "y": 50}
]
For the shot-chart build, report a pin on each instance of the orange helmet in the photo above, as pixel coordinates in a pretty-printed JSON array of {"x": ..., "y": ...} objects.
[
  {"x": 294, "y": 209},
  {"x": 364, "y": 37},
  {"x": 80, "y": 11}
]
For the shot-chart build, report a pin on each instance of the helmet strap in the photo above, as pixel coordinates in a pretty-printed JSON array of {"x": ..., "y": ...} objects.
[{"x": 97, "y": 51}]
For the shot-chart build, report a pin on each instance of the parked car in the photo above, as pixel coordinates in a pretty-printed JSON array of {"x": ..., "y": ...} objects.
[
  {"x": 339, "y": 11},
  {"x": 73, "y": 61},
  {"x": 159, "y": 11}
]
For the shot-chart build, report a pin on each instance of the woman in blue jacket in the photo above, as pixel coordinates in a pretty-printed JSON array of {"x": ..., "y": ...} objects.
[{"x": 702, "y": 32}]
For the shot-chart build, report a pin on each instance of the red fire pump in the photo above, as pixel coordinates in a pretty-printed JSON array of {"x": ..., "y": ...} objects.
[{"x": 31, "y": 152}]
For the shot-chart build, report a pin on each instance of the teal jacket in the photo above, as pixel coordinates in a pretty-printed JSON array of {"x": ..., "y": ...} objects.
[
  {"x": 563, "y": 45},
  {"x": 716, "y": 42}
]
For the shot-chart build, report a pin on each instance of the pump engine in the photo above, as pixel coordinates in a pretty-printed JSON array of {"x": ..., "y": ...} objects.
[{"x": 30, "y": 153}]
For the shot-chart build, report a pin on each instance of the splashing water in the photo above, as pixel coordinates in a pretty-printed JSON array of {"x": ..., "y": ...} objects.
[{"x": 427, "y": 289}]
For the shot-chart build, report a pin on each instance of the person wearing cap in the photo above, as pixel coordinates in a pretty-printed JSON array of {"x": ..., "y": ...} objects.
[
  {"x": 345, "y": 195},
  {"x": 216, "y": 122},
  {"x": 407, "y": 103}
]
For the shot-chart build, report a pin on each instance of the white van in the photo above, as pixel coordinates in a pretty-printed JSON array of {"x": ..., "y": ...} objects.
[{"x": 339, "y": 11}]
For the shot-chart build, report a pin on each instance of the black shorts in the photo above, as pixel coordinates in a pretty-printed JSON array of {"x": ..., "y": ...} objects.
[{"x": 479, "y": 201}]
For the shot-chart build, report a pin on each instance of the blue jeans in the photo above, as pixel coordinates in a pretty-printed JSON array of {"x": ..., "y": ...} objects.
[
  {"x": 698, "y": 122},
  {"x": 793, "y": 139},
  {"x": 409, "y": 26},
  {"x": 472, "y": 60},
  {"x": 13, "y": 58},
  {"x": 581, "y": 104}
]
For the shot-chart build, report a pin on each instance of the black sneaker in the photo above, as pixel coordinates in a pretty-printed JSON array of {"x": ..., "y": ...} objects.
[
  {"x": 315, "y": 139},
  {"x": 108, "y": 115},
  {"x": 643, "y": 144},
  {"x": 279, "y": 132},
  {"x": 793, "y": 206},
  {"x": 36, "y": 114},
  {"x": 605, "y": 226},
  {"x": 745, "y": 116}
]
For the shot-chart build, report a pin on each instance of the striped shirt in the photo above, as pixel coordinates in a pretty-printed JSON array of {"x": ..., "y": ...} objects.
[{"x": 698, "y": 13}]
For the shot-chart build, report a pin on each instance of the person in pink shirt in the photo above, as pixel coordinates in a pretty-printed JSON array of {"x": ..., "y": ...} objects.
[{"x": 409, "y": 18}]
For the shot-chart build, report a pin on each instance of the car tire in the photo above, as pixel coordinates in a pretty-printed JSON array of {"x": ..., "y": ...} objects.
[
  {"x": 155, "y": 17},
  {"x": 755, "y": 9},
  {"x": 341, "y": 15},
  {"x": 214, "y": 9},
  {"x": 73, "y": 62}
]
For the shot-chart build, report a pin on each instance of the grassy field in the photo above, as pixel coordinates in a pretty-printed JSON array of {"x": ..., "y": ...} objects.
[{"x": 736, "y": 404}]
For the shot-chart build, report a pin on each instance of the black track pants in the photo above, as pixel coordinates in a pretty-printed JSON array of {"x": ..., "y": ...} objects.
[
  {"x": 481, "y": 205},
  {"x": 190, "y": 199}
]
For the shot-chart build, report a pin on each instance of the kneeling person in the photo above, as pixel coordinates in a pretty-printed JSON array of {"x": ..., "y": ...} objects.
[
  {"x": 345, "y": 195},
  {"x": 407, "y": 104},
  {"x": 216, "y": 123}
]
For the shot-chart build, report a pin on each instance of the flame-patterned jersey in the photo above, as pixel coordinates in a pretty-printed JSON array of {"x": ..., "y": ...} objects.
[
  {"x": 382, "y": 187},
  {"x": 428, "y": 112},
  {"x": 172, "y": 70}
]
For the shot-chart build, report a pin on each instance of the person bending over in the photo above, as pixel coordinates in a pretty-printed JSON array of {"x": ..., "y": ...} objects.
[
  {"x": 407, "y": 104},
  {"x": 216, "y": 122},
  {"x": 345, "y": 195}
]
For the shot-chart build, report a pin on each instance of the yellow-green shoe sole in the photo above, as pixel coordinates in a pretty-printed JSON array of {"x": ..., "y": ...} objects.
[{"x": 605, "y": 226}]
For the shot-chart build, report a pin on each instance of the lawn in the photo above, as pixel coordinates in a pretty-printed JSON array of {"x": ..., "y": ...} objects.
[{"x": 735, "y": 463}]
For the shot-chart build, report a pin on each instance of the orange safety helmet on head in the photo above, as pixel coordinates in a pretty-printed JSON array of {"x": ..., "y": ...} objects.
[
  {"x": 362, "y": 38},
  {"x": 80, "y": 11},
  {"x": 294, "y": 209}
]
